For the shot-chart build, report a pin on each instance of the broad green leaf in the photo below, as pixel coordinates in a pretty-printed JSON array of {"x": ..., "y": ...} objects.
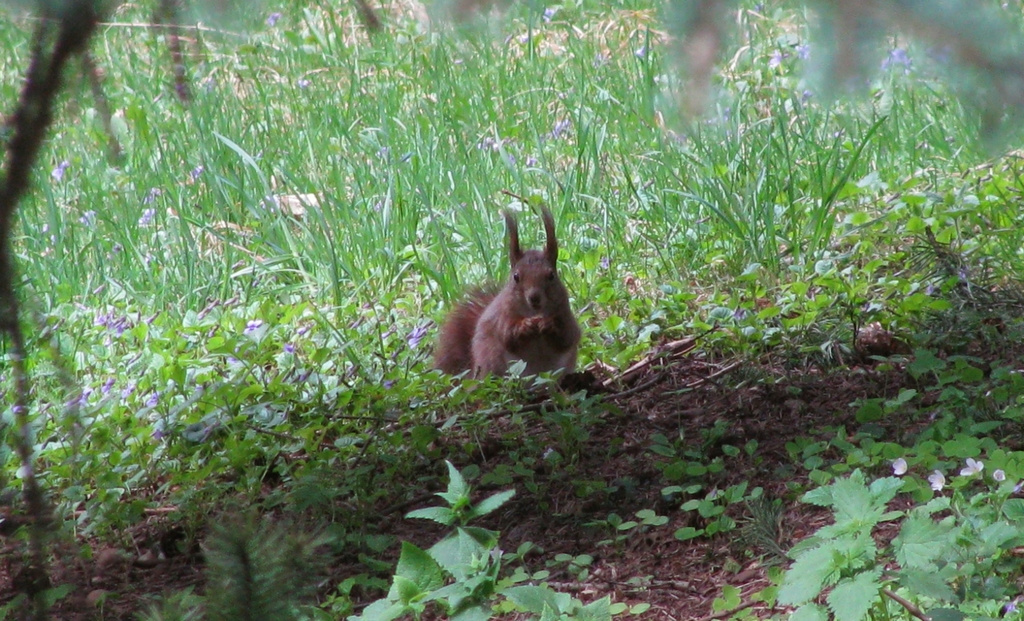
[
  {"x": 807, "y": 575},
  {"x": 382, "y": 610},
  {"x": 852, "y": 500},
  {"x": 921, "y": 541},
  {"x": 458, "y": 489},
  {"x": 996, "y": 536},
  {"x": 885, "y": 489},
  {"x": 809, "y": 612},
  {"x": 851, "y": 599},
  {"x": 530, "y": 597},
  {"x": 404, "y": 590},
  {"x": 416, "y": 565},
  {"x": 928, "y": 584},
  {"x": 1013, "y": 509},
  {"x": 597, "y": 610},
  {"x": 945, "y": 614},
  {"x": 480, "y": 612}
]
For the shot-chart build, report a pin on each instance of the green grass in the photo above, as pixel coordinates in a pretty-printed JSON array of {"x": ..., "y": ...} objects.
[{"x": 185, "y": 304}]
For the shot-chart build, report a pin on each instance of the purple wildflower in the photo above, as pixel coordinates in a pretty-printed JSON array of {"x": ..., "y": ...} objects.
[
  {"x": 272, "y": 19},
  {"x": 289, "y": 348},
  {"x": 153, "y": 193},
  {"x": 776, "y": 59},
  {"x": 58, "y": 172},
  {"x": 107, "y": 385},
  {"x": 88, "y": 218},
  {"x": 560, "y": 128},
  {"x": 416, "y": 335},
  {"x": 198, "y": 170},
  {"x": 147, "y": 217},
  {"x": 388, "y": 384},
  {"x": 605, "y": 263},
  {"x": 154, "y": 399},
  {"x": 641, "y": 53},
  {"x": 531, "y": 161},
  {"x": 303, "y": 83},
  {"x": 549, "y": 13},
  {"x": 898, "y": 56},
  {"x": 128, "y": 390},
  {"x": 803, "y": 51},
  {"x": 253, "y": 326}
]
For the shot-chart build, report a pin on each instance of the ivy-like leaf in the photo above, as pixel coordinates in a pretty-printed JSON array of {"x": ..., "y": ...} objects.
[{"x": 852, "y": 598}]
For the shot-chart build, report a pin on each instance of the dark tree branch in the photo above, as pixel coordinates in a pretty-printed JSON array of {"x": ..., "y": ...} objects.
[{"x": 70, "y": 32}]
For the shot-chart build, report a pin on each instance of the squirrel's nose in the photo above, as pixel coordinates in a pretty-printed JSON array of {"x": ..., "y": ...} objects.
[{"x": 535, "y": 300}]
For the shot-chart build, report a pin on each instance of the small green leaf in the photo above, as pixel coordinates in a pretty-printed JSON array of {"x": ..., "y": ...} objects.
[
  {"x": 851, "y": 599},
  {"x": 688, "y": 532}
]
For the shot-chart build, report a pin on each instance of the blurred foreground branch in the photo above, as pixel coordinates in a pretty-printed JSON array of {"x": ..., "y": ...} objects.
[{"x": 63, "y": 32}]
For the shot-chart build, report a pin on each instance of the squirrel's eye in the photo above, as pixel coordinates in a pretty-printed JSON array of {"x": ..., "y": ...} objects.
[{"x": 515, "y": 276}]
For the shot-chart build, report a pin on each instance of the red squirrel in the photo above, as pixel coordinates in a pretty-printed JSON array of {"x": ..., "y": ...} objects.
[{"x": 528, "y": 319}]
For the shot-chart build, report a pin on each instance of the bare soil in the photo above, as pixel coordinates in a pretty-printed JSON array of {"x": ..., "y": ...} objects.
[{"x": 680, "y": 579}]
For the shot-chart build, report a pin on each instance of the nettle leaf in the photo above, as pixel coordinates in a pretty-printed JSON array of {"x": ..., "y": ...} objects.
[
  {"x": 852, "y": 598},
  {"x": 922, "y": 540},
  {"x": 491, "y": 503},
  {"x": 808, "y": 574},
  {"x": 531, "y": 598},
  {"x": 996, "y": 536},
  {"x": 853, "y": 501},
  {"x": 884, "y": 490},
  {"x": 809, "y": 612},
  {"x": 819, "y": 496},
  {"x": 458, "y": 489},
  {"x": 441, "y": 515},
  {"x": 416, "y": 565},
  {"x": 945, "y": 614},
  {"x": 928, "y": 584}
]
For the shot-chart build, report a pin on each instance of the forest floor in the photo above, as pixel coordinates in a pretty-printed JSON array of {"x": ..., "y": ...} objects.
[{"x": 679, "y": 579}]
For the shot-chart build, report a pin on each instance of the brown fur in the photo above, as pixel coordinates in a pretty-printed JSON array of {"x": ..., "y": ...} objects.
[{"x": 529, "y": 319}]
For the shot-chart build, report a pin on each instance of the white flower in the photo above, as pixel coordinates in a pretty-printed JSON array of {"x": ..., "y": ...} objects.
[
  {"x": 972, "y": 468},
  {"x": 999, "y": 475},
  {"x": 937, "y": 480},
  {"x": 899, "y": 467}
]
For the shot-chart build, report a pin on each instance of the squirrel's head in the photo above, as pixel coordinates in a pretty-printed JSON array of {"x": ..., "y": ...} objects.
[{"x": 534, "y": 277}]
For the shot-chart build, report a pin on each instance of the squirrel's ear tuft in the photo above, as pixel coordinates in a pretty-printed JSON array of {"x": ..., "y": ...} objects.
[
  {"x": 551, "y": 249},
  {"x": 515, "y": 253}
]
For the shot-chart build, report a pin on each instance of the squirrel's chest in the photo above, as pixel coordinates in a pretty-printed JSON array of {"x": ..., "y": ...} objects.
[{"x": 539, "y": 354}]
